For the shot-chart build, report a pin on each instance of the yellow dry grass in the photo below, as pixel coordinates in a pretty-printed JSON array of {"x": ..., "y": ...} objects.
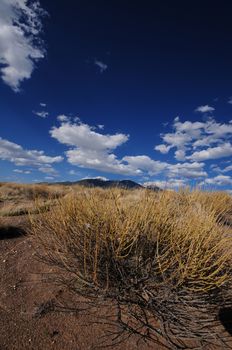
[
  {"x": 103, "y": 236},
  {"x": 16, "y": 191},
  {"x": 20, "y": 199}
]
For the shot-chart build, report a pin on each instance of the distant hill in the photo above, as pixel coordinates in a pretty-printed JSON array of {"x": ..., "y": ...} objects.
[{"x": 125, "y": 184}]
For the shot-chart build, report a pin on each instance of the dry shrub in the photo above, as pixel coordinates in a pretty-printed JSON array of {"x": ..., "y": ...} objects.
[
  {"x": 220, "y": 203},
  {"x": 163, "y": 259}
]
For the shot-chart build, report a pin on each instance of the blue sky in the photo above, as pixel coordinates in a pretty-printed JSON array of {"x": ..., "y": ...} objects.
[{"x": 138, "y": 91}]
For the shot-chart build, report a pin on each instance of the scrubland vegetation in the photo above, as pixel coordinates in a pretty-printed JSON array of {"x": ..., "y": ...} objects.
[{"x": 162, "y": 259}]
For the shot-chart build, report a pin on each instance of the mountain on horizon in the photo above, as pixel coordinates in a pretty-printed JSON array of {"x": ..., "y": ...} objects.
[{"x": 125, "y": 184}]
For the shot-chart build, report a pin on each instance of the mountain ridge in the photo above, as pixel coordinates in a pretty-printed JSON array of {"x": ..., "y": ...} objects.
[{"x": 92, "y": 182}]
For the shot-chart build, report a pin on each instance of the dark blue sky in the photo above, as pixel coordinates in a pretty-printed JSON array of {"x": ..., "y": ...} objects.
[{"x": 130, "y": 66}]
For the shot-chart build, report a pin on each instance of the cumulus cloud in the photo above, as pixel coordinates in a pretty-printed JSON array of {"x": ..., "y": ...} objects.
[
  {"x": 144, "y": 163},
  {"x": 91, "y": 149},
  {"x": 220, "y": 180},
  {"x": 15, "y": 153},
  {"x": 20, "y": 44},
  {"x": 43, "y": 104},
  {"x": 205, "y": 109},
  {"x": 99, "y": 160},
  {"x": 163, "y": 148},
  {"x": 197, "y": 141},
  {"x": 180, "y": 154},
  {"x": 187, "y": 170},
  {"x": 221, "y": 151},
  {"x": 101, "y": 65},
  {"x": 84, "y": 136}
]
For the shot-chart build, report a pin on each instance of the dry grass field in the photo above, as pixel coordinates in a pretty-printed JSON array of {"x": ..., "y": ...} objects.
[{"x": 84, "y": 268}]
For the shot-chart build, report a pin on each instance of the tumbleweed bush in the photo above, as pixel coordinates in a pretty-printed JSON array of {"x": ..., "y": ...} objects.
[{"x": 167, "y": 251}]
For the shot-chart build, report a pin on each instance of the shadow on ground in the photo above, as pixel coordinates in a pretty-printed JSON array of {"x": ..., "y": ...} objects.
[
  {"x": 10, "y": 232},
  {"x": 225, "y": 316}
]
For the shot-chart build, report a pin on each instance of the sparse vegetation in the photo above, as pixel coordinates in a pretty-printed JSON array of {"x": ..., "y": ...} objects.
[
  {"x": 163, "y": 259},
  {"x": 15, "y": 191},
  {"x": 18, "y": 199}
]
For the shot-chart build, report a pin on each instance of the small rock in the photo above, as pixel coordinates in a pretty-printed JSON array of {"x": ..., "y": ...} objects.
[{"x": 54, "y": 333}]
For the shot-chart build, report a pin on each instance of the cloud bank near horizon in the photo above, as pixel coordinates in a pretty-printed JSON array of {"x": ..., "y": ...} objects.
[{"x": 191, "y": 146}]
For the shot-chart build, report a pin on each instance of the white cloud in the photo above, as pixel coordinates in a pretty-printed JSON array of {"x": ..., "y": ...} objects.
[
  {"x": 171, "y": 183},
  {"x": 145, "y": 163},
  {"x": 180, "y": 154},
  {"x": 205, "y": 109},
  {"x": 99, "y": 160},
  {"x": 217, "y": 169},
  {"x": 94, "y": 150},
  {"x": 72, "y": 172},
  {"x": 187, "y": 170},
  {"x": 48, "y": 169},
  {"x": 84, "y": 136},
  {"x": 220, "y": 180},
  {"x": 163, "y": 148},
  {"x": 19, "y": 171},
  {"x": 103, "y": 178},
  {"x": 63, "y": 118},
  {"x": 227, "y": 169},
  {"x": 100, "y": 126},
  {"x": 177, "y": 139},
  {"x": 49, "y": 177},
  {"x": 101, "y": 65},
  {"x": 20, "y": 45},
  {"x": 221, "y": 151},
  {"x": 42, "y": 114},
  {"x": 14, "y": 153},
  {"x": 43, "y": 104},
  {"x": 230, "y": 101},
  {"x": 188, "y": 139},
  {"x": 91, "y": 149}
]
